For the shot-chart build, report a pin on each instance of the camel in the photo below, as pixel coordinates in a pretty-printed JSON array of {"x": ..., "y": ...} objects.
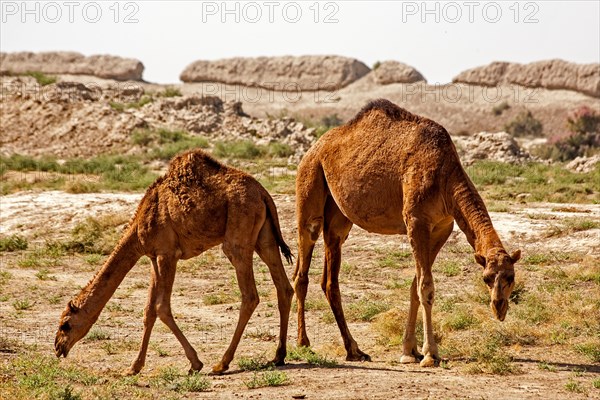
[
  {"x": 199, "y": 203},
  {"x": 392, "y": 172}
]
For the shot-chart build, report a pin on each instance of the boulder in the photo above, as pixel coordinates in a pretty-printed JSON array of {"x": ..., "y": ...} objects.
[
  {"x": 549, "y": 74},
  {"x": 71, "y": 63},
  {"x": 499, "y": 146},
  {"x": 584, "y": 164},
  {"x": 396, "y": 72},
  {"x": 306, "y": 73}
]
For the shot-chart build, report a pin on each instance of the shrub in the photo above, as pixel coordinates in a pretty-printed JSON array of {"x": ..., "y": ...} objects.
[
  {"x": 41, "y": 78},
  {"x": 524, "y": 124},
  {"x": 170, "y": 92},
  {"x": 500, "y": 108},
  {"x": 13, "y": 243},
  {"x": 583, "y": 119},
  {"x": 326, "y": 123},
  {"x": 244, "y": 149},
  {"x": 582, "y": 138}
]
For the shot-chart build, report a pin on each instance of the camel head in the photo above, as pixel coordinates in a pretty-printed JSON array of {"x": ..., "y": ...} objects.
[
  {"x": 499, "y": 276},
  {"x": 72, "y": 327}
]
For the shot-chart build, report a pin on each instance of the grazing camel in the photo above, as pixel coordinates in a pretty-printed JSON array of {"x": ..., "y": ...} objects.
[
  {"x": 392, "y": 172},
  {"x": 198, "y": 204}
]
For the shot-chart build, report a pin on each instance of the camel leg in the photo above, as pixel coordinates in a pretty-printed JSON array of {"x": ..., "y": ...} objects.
[
  {"x": 306, "y": 245},
  {"x": 335, "y": 232},
  {"x": 426, "y": 243},
  {"x": 310, "y": 205},
  {"x": 241, "y": 258},
  {"x": 410, "y": 353},
  {"x": 149, "y": 320},
  {"x": 165, "y": 273},
  {"x": 267, "y": 249}
]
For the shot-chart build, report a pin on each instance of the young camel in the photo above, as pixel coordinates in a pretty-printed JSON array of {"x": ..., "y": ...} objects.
[
  {"x": 198, "y": 204},
  {"x": 392, "y": 172}
]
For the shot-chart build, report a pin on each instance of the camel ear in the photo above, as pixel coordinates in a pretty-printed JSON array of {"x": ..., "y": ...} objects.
[
  {"x": 72, "y": 307},
  {"x": 516, "y": 256},
  {"x": 480, "y": 259}
]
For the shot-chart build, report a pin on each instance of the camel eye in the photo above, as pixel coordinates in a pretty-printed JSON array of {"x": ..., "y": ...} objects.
[
  {"x": 65, "y": 327},
  {"x": 510, "y": 280},
  {"x": 489, "y": 279}
]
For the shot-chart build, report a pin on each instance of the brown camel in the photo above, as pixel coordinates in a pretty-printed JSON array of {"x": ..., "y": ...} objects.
[
  {"x": 198, "y": 204},
  {"x": 392, "y": 172}
]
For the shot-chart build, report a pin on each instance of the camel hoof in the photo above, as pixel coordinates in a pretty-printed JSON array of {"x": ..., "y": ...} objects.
[
  {"x": 195, "y": 368},
  {"x": 278, "y": 361},
  {"x": 303, "y": 342},
  {"x": 408, "y": 359},
  {"x": 359, "y": 356},
  {"x": 219, "y": 369},
  {"x": 429, "y": 361},
  {"x": 131, "y": 371}
]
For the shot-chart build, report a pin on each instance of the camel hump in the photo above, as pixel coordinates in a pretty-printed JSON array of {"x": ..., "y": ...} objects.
[
  {"x": 195, "y": 160},
  {"x": 390, "y": 109}
]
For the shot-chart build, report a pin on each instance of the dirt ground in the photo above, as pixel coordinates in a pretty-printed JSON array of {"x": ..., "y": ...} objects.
[{"x": 43, "y": 216}]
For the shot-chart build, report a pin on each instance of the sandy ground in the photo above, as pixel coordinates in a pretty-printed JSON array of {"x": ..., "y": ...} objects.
[{"x": 52, "y": 214}]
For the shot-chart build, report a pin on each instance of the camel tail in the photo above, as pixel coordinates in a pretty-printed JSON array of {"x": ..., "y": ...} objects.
[{"x": 272, "y": 216}]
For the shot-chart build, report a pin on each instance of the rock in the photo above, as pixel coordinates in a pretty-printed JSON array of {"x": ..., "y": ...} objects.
[
  {"x": 583, "y": 164},
  {"x": 71, "y": 63},
  {"x": 306, "y": 73},
  {"x": 73, "y": 120},
  {"x": 550, "y": 74},
  {"x": 396, "y": 72},
  {"x": 489, "y": 75},
  {"x": 499, "y": 146}
]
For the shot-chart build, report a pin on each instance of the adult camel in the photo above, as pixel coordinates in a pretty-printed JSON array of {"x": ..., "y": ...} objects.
[{"x": 393, "y": 172}]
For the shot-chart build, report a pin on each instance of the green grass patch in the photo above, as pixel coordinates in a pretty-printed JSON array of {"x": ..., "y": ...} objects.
[
  {"x": 489, "y": 357},
  {"x": 448, "y": 267},
  {"x": 396, "y": 259},
  {"x": 366, "y": 309},
  {"x": 117, "y": 106},
  {"x": 36, "y": 376},
  {"x": 254, "y": 364},
  {"x": 267, "y": 378},
  {"x": 549, "y": 183},
  {"x": 590, "y": 350},
  {"x": 193, "y": 383},
  {"x": 307, "y": 354},
  {"x": 41, "y": 78},
  {"x": 116, "y": 172},
  {"x": 97, "y": 334},
  {"x": 459, "y": 319},
  {"x": 13, "y": 243},
  {"x": 22, "y": 305},
  {"x": 218, "y": 298},
  {"x": 170, "y": 92},
  {"x": 164, "y": 144},
  {"x": 574, "y": 386},
  {"x": 241, "y": 149}
]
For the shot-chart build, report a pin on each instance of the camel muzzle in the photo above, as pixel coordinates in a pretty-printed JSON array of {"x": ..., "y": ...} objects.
[
  {"x": 60, "y": 348},
  {"x": 499, "y": 308}
]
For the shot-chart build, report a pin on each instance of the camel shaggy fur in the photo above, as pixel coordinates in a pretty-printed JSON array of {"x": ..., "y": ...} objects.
[
  {"x": 392, "y": 172},
  {"x": 198, "y": 204}
]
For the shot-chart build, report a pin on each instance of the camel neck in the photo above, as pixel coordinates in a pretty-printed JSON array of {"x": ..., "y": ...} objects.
[
  {"x": 470, "y": 213},
  {"x": 100, "y": 289}
]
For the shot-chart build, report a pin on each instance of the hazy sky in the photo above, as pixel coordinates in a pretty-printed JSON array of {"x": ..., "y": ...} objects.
[{"x": 440, "y": 39}]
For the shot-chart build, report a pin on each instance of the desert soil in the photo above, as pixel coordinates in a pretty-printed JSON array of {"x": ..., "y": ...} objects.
[{"x": 51, "y": 215}]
